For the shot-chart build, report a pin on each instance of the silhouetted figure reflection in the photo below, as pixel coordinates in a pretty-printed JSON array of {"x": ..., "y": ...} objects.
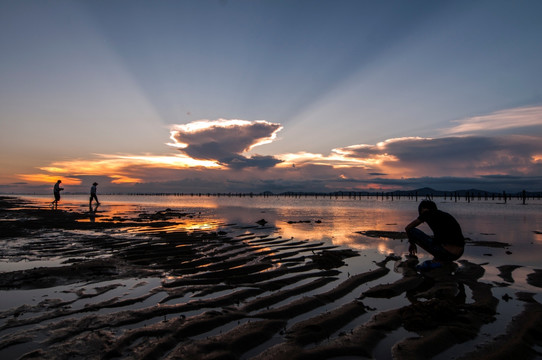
[
  {"x": 93, "y": 194},
  {"x": 56, "y": 192},
  {"x": 92, "y": 212}
]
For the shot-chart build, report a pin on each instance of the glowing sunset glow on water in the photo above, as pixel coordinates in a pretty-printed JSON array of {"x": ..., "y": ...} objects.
[
  {"x": 336, "y": 222},
  {"x": 165, "y": 262}
]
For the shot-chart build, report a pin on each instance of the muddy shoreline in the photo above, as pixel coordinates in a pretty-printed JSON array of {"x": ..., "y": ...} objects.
[{"x": 138, "y": 287}]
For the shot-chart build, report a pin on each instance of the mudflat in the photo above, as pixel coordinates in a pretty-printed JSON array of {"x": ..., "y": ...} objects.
[{"x": 142, "y": 287}]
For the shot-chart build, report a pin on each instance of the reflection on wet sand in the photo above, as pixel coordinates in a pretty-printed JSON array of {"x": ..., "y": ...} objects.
[
  {"x": 92, "y": 212},
  {"x": 179, "y": 284}
]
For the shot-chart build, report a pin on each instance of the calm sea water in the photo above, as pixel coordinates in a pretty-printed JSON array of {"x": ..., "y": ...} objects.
[{"x": 338, "y": 221}]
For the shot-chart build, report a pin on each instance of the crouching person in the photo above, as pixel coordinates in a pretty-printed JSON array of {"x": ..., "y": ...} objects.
[{"x": 447, "y": 243}]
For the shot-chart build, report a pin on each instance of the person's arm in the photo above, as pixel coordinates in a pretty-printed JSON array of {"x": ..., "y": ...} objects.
[
  {"x": 413, "y": 224},
  {"x": 412, "y": 248}
]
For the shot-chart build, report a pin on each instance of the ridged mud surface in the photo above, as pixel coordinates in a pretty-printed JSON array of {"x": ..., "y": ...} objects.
[{"x": 145, "y": 290}]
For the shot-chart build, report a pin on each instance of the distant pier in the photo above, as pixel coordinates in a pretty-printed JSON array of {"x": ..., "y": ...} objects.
[{"x": 464, "y": 196}]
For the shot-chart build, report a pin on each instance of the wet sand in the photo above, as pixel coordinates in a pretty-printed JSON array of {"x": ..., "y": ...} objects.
[{"x": 141, "y": 287}]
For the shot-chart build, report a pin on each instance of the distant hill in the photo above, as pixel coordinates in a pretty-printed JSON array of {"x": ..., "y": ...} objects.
[{"x": 422, "y": 192}]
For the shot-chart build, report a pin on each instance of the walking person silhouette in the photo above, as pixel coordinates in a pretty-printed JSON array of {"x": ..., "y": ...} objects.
[
  {"x": 93, "y": 195},
  {"x": 56, "y": 192}
]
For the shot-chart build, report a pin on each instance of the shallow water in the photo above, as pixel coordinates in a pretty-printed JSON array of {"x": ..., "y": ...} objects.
[
  {"x": 340, "y": 219},
  {"x": 332, "y": 221}
]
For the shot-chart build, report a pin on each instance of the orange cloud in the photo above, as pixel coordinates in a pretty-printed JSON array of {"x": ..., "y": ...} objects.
[
  {"x": 117, "y": 167},
  {"x": 47, "y": 178},
  {"x": 380, "y": 187},
  {"x": 120, "y": 179},
  {"x": 169, "y": 161},
  {"x": 336, "y": 159}
]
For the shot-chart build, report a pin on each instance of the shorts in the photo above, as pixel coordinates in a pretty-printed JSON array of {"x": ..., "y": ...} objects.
[{"x": 432, "y": 246}]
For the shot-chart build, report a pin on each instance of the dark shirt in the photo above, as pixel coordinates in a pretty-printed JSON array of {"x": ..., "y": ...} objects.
[{"x": 445, "y": 228}]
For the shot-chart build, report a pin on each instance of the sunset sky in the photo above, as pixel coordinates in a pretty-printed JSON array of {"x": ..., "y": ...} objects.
[{"x": 248, "y": 95}]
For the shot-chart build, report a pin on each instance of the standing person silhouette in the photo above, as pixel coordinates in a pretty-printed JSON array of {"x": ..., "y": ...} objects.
[
  {"x": 56, "y": 192},
  {"x": 93, "y": 195},
  {"x": 447, "y": 243}
]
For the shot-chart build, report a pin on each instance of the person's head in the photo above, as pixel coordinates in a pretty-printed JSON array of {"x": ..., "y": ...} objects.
[
  {"x": 59, "y": 181},
  {"x": 95, "y": 184},
  {"x": 426, "y": 205}
]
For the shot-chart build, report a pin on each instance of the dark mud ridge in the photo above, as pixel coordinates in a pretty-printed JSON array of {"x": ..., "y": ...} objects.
[{"x": 119, "y": 292}]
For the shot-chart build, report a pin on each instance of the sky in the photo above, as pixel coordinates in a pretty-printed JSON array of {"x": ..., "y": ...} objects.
[{"x": 249, "y": 96}]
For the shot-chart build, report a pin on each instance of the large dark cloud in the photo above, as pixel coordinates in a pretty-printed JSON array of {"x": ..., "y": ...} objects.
[
  {"x": 224, "y": 141},
  {"x": 504, "y": 154},
  {"x": 258, "y": 161},
  {"x": 465, "y": 148},
  {"x": 469, "y": 155}
]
